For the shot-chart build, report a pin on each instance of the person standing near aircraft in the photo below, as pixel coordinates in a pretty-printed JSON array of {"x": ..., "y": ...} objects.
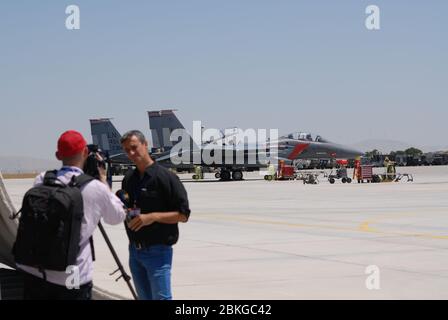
[
  {"x": 162, "y": 201},
  {"x": 37, "y": 247}
]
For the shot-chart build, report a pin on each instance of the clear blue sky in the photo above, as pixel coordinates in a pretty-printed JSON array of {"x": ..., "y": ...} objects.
[{"x": 292, "y": 65}]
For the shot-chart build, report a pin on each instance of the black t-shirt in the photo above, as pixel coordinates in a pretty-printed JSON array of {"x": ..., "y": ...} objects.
[{"x": 159, "y": 190}]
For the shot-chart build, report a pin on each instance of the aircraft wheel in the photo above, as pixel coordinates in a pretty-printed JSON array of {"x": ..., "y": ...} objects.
[
  {"x": 344, "y": 180},
  {"x": 195, "y": 177},
  {"x": 217, "y": 175},
  {"x": 331, "y": 180},
  {"x": 269, "y": 177},
  {"x": 225, "y": 176},
  {"x": 237, "y": 175},
  {"x": 349, "y": 180}
]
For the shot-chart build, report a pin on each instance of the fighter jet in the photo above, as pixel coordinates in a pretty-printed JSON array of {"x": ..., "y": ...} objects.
[
  {"x": 163, "y": 123},
  {"x": 291, "y": 147}
]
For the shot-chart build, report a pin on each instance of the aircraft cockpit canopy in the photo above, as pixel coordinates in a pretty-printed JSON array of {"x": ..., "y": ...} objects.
[{"x": 305, "y": 136}]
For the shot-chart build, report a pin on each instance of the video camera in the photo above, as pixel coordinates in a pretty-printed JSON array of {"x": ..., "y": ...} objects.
[{"x": 93, "y": 163}]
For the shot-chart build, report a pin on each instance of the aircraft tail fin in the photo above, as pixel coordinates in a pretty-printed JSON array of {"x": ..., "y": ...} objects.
[
  {"x": 162, "y": 123},
  {"x": 106, "y": 136}
]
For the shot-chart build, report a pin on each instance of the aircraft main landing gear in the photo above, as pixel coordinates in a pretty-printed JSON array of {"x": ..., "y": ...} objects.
[
  {"x": 226, "y": 175},
  {"x": 237, "y": 175}
]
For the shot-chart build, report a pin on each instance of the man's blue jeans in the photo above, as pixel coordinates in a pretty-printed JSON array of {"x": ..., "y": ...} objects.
[{"x": 151, "y": 271}]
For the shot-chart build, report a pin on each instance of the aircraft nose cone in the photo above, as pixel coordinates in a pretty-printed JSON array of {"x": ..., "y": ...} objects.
[
  {"x": 333, "y": 150},
  {"x": 349, "y": 153}
]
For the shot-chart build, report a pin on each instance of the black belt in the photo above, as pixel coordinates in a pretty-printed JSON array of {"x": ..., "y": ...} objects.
[
  {"x": 141, "y": 244},
  {"x": 144, "y": 245}
]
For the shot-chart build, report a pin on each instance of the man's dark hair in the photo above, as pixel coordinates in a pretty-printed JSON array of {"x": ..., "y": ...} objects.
[{"x": 128, "y": 135}]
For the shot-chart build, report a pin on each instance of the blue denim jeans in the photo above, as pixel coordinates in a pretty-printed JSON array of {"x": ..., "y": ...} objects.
[{"x": 151, "y": 271}]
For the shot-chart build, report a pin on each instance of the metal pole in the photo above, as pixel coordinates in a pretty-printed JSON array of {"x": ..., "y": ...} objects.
[{"x": 123, "y": 275}]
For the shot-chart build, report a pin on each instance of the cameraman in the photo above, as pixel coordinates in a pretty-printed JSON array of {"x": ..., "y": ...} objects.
[{"x": 98, "y": 202}]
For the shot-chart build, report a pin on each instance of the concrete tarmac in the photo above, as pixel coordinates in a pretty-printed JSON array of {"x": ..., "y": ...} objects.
[{"x": 255, "y": 239}]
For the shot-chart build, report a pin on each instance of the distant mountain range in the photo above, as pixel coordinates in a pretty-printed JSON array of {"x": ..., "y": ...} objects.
[
  {"x": 386, "y": 146},
  {"x": 14, "y": 164}
]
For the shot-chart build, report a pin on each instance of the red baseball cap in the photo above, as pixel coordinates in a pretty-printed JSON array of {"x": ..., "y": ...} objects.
[{"x": 70, "y": 143}]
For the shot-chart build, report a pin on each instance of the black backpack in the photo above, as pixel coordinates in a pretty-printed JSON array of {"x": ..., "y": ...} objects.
[{"x": 50, "y": 224}]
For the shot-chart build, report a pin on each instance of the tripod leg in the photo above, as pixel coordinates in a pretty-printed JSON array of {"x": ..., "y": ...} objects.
[{"x": 125, "y": 276}]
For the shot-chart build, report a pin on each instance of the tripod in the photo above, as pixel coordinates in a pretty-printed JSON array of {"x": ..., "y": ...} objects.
[{"x": 123, "y": 275}]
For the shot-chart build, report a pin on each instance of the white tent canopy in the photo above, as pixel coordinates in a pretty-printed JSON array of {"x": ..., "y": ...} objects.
[{"x": 8, "y": 227}]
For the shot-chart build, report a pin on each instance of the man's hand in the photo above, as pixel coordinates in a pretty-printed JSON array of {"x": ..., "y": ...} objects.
[
  {"x": 103, "y": 174},
  {"x": 141, "y": 221},
  {"x": 101, "y": 169}
]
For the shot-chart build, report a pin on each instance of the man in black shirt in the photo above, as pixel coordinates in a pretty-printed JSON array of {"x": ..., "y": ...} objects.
[{"x": 159, "y": 201}]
